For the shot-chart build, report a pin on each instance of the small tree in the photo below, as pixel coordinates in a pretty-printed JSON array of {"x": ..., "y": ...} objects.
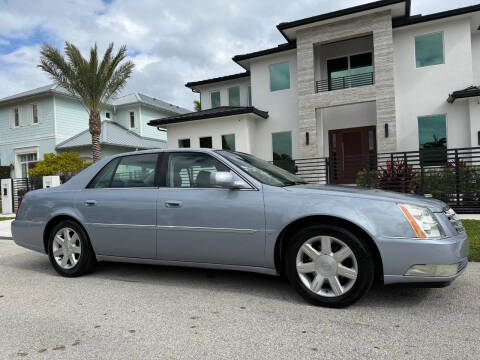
[{"x": 65, "y": 164}]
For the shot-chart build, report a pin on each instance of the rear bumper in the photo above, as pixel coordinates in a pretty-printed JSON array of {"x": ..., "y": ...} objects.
[
  {"x": 28, "y": 234},
  {"x": 399, "y": 255}
]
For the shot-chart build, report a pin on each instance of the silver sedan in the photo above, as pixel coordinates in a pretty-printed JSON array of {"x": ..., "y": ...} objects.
[{"x": 229, "y": 210}]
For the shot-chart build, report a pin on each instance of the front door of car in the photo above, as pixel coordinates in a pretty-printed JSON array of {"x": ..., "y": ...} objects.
[
  {"x": 201, "y": 223},
  {"x": 119, "y": 207}
]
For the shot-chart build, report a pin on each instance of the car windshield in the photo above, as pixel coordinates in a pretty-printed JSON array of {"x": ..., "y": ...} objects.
[{"x": 262, "y": 170}]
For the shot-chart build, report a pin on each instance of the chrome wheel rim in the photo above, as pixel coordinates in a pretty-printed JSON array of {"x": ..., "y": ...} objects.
[
  {"x": 67, "y": 248},
  {"x": 326, "y": 266}
]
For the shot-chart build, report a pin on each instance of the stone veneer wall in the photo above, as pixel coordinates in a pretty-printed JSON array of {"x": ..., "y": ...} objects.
[{"x": 383, "y": 91}]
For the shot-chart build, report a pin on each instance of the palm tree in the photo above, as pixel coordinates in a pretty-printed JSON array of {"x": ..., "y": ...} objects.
[
  {"x": 95, "y": 83},
  {"x": 197, "y": 106}
]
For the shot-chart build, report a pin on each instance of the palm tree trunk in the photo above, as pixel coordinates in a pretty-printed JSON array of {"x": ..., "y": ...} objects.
[{"x": 95, "y": 128}]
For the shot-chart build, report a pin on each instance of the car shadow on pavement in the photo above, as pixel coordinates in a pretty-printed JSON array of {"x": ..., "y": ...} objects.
[{"x": 253, "y": 284}]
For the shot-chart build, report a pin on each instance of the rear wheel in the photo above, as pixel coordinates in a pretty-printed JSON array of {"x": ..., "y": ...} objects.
[
  {"x": 329, "y": 266},
  {"x": 69, "y": 250}
]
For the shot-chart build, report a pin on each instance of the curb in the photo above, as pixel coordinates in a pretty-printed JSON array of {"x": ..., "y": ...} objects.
[{"x": 5, "y": 238}]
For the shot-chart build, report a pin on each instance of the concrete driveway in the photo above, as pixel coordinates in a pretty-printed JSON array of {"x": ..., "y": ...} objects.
[{"x": 131, "y": 311}]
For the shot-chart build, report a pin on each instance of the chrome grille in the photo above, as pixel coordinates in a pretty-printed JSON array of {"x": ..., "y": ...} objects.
[{"x": 454, "y": 220}]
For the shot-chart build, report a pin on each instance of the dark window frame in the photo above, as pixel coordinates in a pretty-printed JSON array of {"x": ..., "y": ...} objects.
[{"x": 156, "y": 180}]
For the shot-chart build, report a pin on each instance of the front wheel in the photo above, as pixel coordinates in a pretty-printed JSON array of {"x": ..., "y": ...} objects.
[
  {"x": 69, "y": 250},
  {"x": 329, "y": 266}
]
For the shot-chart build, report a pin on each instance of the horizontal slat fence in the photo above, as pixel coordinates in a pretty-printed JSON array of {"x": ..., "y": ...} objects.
[{"x": 451, "y": 175}]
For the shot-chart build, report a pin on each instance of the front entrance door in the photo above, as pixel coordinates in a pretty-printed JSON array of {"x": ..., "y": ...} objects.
[{"x": 351, "y": 150}]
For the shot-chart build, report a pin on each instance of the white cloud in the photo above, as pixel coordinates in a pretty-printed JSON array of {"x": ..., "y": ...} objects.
[{"x": 171, "y": 41}]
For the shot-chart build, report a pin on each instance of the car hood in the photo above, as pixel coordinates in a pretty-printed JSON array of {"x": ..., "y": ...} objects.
[{"x": 352, "y": 191}]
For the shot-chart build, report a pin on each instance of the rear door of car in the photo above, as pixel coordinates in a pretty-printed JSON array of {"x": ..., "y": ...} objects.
[
  {"x": 119, "y": 207},
  {"x": 200, "y": 223}
]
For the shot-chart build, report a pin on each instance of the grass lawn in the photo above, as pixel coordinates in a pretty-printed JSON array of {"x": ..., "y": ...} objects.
[
  {"x": 6, "y": 218},
  {"x": 473, "y": 231}
]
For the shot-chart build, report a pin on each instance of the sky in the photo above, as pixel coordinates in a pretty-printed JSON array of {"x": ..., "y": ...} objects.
[{"x": 170, "y": 42}]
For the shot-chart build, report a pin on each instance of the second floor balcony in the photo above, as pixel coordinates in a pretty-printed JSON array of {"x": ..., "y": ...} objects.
[
  {"x": 345, "y": 82},
  {"x": 344, "y": 64}
]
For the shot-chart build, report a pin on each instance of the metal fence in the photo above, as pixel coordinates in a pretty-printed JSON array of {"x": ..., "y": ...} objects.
[
  {"x": 21, "y": 186},
  {"x": 451, "y": 175},
  {"x": 344, "y": 82}
]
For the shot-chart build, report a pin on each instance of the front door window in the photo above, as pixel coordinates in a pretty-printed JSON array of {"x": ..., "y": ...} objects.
[{"x": 26, "y": 162}]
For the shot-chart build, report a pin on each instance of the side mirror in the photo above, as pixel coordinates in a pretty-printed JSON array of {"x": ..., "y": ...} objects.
[{"x": 226, "y": 179}]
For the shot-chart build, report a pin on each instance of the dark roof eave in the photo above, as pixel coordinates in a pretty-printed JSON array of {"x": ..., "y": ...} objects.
[
  {"x": 462, "y": 94},
  {"x": 339, "y": 13},
  {"x": 280, "y": 48},
  {"x": 207, "y": 114},
  {"x": 431, "y": 17},
  {"x": 218, "y": 79}
]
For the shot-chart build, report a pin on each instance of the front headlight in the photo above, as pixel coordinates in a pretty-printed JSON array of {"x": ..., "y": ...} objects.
[{"x": 422, "y": 220}]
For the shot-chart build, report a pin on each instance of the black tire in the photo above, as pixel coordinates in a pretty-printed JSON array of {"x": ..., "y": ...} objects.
[
  {"x": 365, "y": 263},
  {"x": 86, "y": 260}
]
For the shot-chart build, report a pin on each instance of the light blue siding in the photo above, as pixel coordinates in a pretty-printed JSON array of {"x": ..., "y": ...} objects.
[
  {"x": 72, "y": 118},
  {"x": 27, "y": 130},
  {"x": 7, "y": 152},
  {"x": 39, "y": 137},
  {"x": 61, "y": 117},
  {"x": 151, "y": 131},
  {"x": 122, "y": 117}
]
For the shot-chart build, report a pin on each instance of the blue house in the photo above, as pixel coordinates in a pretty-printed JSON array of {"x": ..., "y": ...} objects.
[{"x": 48, "y": 119}]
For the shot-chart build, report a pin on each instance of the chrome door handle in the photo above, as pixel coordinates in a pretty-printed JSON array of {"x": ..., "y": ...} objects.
[
  {"x": 90, "y": 203},
  {"x": 173, "y": 204}
]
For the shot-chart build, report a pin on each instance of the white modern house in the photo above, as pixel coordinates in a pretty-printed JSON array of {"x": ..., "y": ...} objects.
[
  {"x": 48, "y": 119},
  {"x": 367, "y": 79}
]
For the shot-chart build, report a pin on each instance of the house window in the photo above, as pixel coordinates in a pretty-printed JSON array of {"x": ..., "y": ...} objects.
[
  {"x": 26, "y": 162},
  {"x": 107, "y": 115},
  {"x": 35, "y": 113},
  {"x": 184, "y": 143},
  {"x": 432, "y": 137},
  {"x": 215, "y": 98},
  {"x": 429, "y": 49},
  {"x": 206, "y": 142},
  {"x": 228, "y": 142},
  {"x": 234, "y": 96},
  {"x": 279, "y": 76},
  {"x": 282, "y": 145},
  {"x": 249, "y": 96},
  {"x": 16, "y": 117},
  {"x": 132, "y": 119},
  {"x": 350, "y": 71}
]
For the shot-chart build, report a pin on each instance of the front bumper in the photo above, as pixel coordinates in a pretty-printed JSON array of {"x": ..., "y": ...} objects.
[{"x": 399, "y": 255}]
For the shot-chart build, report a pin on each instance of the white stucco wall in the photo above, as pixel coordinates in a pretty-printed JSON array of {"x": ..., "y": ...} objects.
[
  {"x": 282, "y": 106},
  {"x": 243, "y": 126},
  {"x": 476, "y": 59},
  {"x": 223, "y": 87},
  {"x": 424, "y": 91}
]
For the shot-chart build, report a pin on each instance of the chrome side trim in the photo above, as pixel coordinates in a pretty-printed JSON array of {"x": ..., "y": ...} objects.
[
  {"x": 210, "y": 229},
  {"x": 122, "y": 226}
]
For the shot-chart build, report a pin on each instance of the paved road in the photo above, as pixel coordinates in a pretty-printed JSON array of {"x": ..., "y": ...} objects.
[{"x": 131, "y": 311}]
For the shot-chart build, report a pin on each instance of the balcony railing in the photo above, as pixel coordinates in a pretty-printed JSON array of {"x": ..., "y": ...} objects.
[{"x": 345, "y": 82}]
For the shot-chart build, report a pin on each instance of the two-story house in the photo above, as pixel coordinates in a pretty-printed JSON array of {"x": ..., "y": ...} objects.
[
  {"x": 48, "y": 119},
  {"x": 364, "y": 80}
]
